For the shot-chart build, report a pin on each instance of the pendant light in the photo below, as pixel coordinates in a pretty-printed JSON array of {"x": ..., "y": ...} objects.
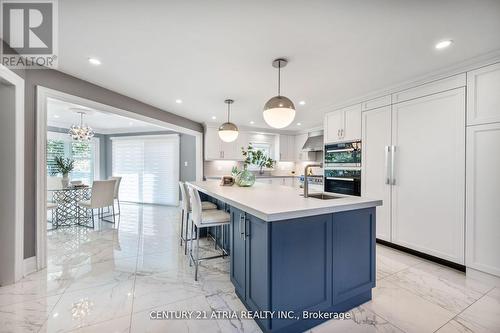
[
  {"x": 279, "y": 111},
  {"x": 81, "y": 132},
  {"x": 228, "y": 132}
]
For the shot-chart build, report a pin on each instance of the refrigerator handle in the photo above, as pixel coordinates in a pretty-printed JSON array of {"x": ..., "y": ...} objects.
[
  {"x": 393, "y": 156},
  {"x": 387, "y": 173}
]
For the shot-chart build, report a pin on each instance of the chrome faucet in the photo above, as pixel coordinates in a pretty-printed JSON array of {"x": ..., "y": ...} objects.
[{"x": 306, "y": 181}]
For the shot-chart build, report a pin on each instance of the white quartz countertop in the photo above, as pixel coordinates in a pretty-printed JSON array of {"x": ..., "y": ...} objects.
[{"x": 271, "y": 202}]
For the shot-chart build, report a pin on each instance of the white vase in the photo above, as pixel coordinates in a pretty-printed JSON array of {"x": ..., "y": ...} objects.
[{"x": 65, "y": 181}]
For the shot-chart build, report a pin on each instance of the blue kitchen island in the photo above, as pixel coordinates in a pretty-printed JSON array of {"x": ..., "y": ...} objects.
[{"x": 299, "y": 261}]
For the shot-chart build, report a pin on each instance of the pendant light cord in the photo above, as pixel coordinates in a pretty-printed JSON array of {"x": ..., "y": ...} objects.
[
  {"x": 228, "y": 110},
  {"x": 279, "y": 77}
]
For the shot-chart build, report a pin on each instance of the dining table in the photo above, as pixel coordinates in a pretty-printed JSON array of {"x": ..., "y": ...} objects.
[{"x": 68, "y": 212}]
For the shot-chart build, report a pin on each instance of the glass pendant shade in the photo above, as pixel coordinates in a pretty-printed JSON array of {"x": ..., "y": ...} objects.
[
  {"x": 279, "y": 112},
  {"x": 228, "y": 132}
]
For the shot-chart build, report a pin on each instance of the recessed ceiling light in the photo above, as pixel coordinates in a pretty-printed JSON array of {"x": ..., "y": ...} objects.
[
  {"x": 56, "y": 116},
  {"x": 214, "y": 117},
  {"x": 444, "y": 44},
  {"x": 302, "y": 102},
  {"x": 178, "y": 101},
  {"x": 94, "y": 61},
  {"x": 298, "y": 124},
  {"x": 252, "y": 122}
]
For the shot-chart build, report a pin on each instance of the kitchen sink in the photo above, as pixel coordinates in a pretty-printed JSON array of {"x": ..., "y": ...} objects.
[{"x": 323, "y": 196}]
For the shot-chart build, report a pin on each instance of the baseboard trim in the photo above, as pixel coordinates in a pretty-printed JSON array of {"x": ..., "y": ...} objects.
[
  {"x": 29, "y": 265},
  {"x": 426, "y": 256}
]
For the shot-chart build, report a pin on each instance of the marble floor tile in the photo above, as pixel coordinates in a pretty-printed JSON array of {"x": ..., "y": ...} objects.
[
  {"x": 109, "y": 280},
  {"x": 91, "y": 306},
  {"x": 37, "y": 285},
  {"x": 391, "y": 261},
  {"x": 481, "y": 317},
  {"x": 28, "y": 316},
  {"x": 103, "y": 273},
  {"x": 141, "y": 322},
  {"x": 406, "y": 310},
  {"x": 444, "y": 287},
  {"x": 361, "y": 321}
]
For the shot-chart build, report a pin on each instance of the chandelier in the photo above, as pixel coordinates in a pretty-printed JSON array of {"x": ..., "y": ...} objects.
[{"x": 81, "y": 132}]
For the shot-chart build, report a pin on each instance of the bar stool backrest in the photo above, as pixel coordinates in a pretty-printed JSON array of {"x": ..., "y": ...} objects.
[
  {"x": 184, "y": 197},
  {"x": 195, "y": 205},
  {"x": 102, "y": 193}
]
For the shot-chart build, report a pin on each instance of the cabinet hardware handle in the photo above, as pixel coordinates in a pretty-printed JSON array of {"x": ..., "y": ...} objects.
[
  {"x": 393, "y": 157},
  {"x": 387, "y": 174},
  {"x": 239, "y": 225},
  {"x": 338, "y": 133}
]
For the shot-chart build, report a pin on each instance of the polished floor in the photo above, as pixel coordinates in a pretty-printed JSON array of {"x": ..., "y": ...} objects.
[{"x": 110, "y": 279}]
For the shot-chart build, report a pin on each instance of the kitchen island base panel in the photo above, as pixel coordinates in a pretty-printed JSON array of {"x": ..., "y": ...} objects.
[{"x": 323, "y": 263}]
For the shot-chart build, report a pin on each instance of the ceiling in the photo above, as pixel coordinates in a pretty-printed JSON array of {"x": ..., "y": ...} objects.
[
  {"x": 206, "y": 51},
  {"x": 63, "y": 114}
]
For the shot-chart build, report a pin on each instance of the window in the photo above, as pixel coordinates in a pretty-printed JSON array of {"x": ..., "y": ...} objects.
[
  {"x": 85, "y": 155},
  {"x": 149, "y": 167}
]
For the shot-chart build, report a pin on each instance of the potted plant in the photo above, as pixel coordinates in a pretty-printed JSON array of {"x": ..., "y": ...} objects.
[
  {"x": 255, "y": 157},
  {"x": 64, "y": 166}
]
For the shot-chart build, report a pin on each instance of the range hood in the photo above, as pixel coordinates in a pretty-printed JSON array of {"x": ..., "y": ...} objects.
[{"x": 314, "y": 142}]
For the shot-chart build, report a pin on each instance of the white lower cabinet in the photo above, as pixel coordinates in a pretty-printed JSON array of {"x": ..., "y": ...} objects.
[
  {"x": 483, "y": 198},
  {"x": 414, "y": 159}
]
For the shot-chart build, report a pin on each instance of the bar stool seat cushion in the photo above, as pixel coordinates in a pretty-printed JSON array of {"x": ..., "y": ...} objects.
[
  {"x": 206, "y": 205},
  {"x": 214, "y": 216}
]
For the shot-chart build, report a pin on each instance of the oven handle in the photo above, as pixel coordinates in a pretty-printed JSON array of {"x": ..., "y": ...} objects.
[
  {"x": 340, "y": 178},
  {"x": 339, "y": 150}
]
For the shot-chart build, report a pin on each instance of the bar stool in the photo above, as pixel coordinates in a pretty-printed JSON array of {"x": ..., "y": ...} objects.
[
  {"x": 186, "y": 210},
  {"x": 204, "y": 219}
]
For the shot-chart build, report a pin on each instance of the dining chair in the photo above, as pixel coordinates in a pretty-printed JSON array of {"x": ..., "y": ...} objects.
[
  {"x": 51, "y": 206},
  {"x": 186, "y": 210},
  {"x": 204, "y": 219},
  {"x": 116, "y": 195},
  {"x": 102, "y": 196}
]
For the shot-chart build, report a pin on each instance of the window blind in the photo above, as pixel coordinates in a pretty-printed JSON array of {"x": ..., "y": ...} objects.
[{"x": 149, "y": 167}]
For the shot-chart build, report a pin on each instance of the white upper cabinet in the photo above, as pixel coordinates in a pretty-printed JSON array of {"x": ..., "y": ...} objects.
[
  {"x": 376, "y": 103},
  {"x": 286, "y": 148},
  {"x": 343, "y": 124},
  {"x": 452, "y": 82},
  {"x": 216, "y": 149},
  {"x": 482, "y": 199},
  {"x": 483, "y": 95}
]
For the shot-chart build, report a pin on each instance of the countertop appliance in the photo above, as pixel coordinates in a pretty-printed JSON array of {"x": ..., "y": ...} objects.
[{"x": 343, "y": 168}]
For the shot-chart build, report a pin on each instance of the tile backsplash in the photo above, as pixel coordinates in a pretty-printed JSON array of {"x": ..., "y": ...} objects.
[{"x": 223, "y": 168}]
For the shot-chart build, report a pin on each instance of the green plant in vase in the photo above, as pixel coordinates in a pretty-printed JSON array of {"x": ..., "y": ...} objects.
[
  {"x": 252, "y": 156},
  {"x": 64, "y": 166}
]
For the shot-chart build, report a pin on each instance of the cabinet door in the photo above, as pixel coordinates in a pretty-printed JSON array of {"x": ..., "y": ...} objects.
[
  {"x": 257, "y": 262},
  {"x": 376, "y": 125},
  {"x": 299, "y": 141},
  {"x": 483, "y": 193},
  {"x": 238, "y": 251},
  {"x": 352, "y": 123},
  {"x": 283, "y": 147},
  {"x": 428, "y": 195},
  {"x": 291, "y": 148},
  {"x": 334, "y": 123},
  {"x": 483, "y": 97},
  {"x": 212, "y": 144}
]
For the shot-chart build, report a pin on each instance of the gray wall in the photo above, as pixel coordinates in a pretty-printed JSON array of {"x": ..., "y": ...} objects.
[
  {"x": 187, "y": 151},
  {"x": 8, "y": 181},
  {"x": 71, "y": 85}
]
